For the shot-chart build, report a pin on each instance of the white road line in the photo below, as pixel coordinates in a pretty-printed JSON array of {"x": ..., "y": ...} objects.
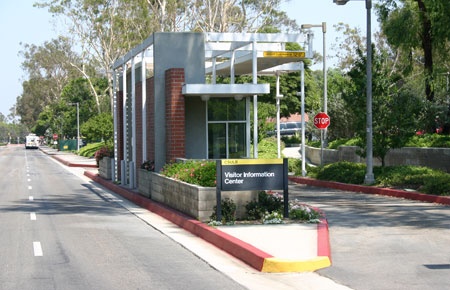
[
  {"x": 30, "y": 198},
  {"x": 32, "y": 216},
  {"x": 29, "y": 187},
  {"x": 29, "y": 180},
  {"x": 37, "y": 249}
]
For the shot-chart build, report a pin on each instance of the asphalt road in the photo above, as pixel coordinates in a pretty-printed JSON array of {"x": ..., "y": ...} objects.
[
  {"x": 59, "y": 232},
  {"x": 381, "y": 242}
]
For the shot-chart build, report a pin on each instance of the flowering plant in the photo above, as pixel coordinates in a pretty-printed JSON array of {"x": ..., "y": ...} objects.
[
  {"x": 102, "y": 152},
  {"x": 269, "y": 208},
  {"x": 272, "y": 218},
  {"x": 300, "y": 211},
  {"x": 148, "y": 165}
]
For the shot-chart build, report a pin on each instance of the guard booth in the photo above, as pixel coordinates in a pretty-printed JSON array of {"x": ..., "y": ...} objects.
[{"x": 168, "y": 105}]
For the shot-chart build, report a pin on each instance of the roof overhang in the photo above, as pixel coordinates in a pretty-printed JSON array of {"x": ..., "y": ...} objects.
[{"x": 225, "y": 90}]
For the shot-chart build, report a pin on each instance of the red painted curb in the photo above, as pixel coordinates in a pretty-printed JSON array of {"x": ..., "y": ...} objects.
[
  {"x": 323, "y": 240},
  {"x": 235, "y": 247},
  {"x": 374, "y": 190}
]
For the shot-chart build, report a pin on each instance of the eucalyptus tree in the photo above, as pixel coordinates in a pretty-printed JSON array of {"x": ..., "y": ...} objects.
[
  {"x": 47, "y": 70},
  {"x": 421, "y": 31},
  {"x": 106, "y": 29}
]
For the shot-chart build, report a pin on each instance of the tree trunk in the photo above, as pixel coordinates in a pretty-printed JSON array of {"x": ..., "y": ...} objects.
[{"x": 427, "y": 46}]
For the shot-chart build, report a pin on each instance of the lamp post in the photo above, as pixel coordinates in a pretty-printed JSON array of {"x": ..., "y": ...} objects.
[
  {"x": 78, "y": 124},
  {"x": 325, "y": 82},
  {"x": 369, "y": 178}
]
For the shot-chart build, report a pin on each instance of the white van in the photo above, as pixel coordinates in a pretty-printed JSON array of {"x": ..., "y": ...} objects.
[{"x": 31, "y": 141}]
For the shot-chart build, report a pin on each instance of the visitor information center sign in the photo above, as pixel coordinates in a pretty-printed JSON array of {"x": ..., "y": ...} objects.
[{"x": 252, "y": 174}]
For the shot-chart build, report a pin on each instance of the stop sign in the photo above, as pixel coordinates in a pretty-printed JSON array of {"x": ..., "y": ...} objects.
[{"x": 321, "y": 120}]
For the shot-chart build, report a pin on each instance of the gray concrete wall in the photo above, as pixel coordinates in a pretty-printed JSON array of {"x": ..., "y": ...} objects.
[
  {"x": 195, "y": 128},
  {"x": 437, "y": 158},
  {"x": 174, "y": 50}
]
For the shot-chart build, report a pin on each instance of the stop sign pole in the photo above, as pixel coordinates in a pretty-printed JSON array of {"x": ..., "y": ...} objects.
[{"x": 321, "y": 121}]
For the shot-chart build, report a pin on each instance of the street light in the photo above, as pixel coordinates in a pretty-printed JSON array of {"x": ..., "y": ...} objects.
[
  {"x": 369, "y": 178},
  {"x": 325, "y": 85},
  {"x": 78, "y": 124}
]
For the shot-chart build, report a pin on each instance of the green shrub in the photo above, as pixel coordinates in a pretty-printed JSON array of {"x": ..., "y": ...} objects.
[
  {"x": 201, "y": 173},
  {"x": 438, "y": 184},
  {"x": 90, "y": 149},
  {"x": 294, "y": 139},
  {"x": 228, "y": 211},
  {"x": 429, "y": 140},
  {"x": 268, "y": 148},
  {"x": 405, "y": 176},
  {"x": 346, "y": 172}
]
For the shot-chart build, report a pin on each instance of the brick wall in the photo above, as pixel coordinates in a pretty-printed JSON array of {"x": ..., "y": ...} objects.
[
  {"x": 175, "y": 114},
  {"x": 138, "y": 122},
  {"x": 120, "y": 131},
  {"x": 150, "y": 119}
]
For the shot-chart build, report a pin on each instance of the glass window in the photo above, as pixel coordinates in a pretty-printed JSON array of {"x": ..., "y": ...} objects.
[
  {"x": 236, "y": 140},
  {"x": 226, "y": 129},
  {"x": 217, "y": 141},
  {"x": 226, "y": 109}
]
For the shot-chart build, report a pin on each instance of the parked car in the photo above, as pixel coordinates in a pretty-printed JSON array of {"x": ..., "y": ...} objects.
[{"x": 287, "y": 129}]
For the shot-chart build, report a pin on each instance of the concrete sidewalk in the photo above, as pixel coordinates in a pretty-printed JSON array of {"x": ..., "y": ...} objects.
[{"x": 267, "y": 248}]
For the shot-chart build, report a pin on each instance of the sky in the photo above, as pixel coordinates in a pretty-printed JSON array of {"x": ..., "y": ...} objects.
[{"x": 20, "y": 22}]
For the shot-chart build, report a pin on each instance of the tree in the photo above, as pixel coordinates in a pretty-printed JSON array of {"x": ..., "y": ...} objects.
[
  {"x": 48, "y": 69},
  {"x": 106, "y": 30},
  {"x": 99, "y": 128},
  {"x": 417, "y": 24},
  {"x": 395, "y": 109}
]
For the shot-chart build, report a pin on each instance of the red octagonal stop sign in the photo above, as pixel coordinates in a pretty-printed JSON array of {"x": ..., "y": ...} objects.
[{"x": 321, "y": 120}]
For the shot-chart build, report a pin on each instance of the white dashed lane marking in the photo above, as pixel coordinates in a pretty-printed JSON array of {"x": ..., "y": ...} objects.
[{"x": 37, "y": 249}]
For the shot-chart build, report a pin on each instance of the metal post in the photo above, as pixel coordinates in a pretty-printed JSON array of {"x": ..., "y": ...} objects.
[
  {"x": 78, "y": 127},
  {"x": 278, "y": 98},
  {"x": 325, "y": 81},
  {"x": 255, "y": 102},
  {"x": 369, "y": 178},
  {"x": 302, "y": 92}
]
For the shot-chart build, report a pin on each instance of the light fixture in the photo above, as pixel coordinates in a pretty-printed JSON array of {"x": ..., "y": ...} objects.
[{"x": 204, "y": 98}]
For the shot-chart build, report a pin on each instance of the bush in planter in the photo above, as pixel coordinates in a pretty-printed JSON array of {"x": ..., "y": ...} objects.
[
  {"x": 148, "y": 165},
  {"x": 267, "y": 203},
  {"x": 201, "y": 173},
  {"x": 104, "y": 151},
  {"x": 228, "y": 210}
]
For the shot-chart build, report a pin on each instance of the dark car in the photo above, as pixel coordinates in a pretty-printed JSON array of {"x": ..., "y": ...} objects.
[{"x": 288, "y": 129}]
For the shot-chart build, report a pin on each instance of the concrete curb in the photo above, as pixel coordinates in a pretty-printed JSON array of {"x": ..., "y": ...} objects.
[
  {"x": 73, "y": 164},
  {"x": 373, "y": 190},
  {"x": 243, "y": 251}
]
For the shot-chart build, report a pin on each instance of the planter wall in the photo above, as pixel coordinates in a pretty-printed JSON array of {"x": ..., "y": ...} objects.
[
  {"x": 144, "y": 179},
  {"x": 437, "y": 158},
  {"x": 105, "y": 168},
  {"x": 195, "y": 201}
]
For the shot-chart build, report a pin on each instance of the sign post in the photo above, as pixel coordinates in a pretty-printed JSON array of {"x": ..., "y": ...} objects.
[{"x": 251, "y": 174}]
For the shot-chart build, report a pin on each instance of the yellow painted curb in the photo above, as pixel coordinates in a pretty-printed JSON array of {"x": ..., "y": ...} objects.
[{"x": 276, "y": 265}]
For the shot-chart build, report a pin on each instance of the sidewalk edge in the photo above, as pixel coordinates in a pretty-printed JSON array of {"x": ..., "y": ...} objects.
[
  {"x": 373, "y": 190},
  {"x": 243, "y": 251}
]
